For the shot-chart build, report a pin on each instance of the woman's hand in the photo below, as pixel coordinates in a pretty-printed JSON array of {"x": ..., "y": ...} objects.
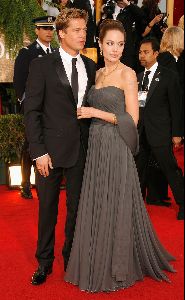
[
  {"x": 157, "y": 19},
  {"x": 86, "y": 113}
]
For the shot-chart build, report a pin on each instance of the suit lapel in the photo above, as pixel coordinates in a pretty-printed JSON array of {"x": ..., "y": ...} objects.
[
  {"x": 154, "y": 84},
  {"x": 63, "y": 76}
]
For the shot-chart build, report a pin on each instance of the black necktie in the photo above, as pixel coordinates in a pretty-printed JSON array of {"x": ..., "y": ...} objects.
[
  {"x": 74, "y": 79},
  {"x": 47, "y": 51},
  {"x": 145, "y": 84}
]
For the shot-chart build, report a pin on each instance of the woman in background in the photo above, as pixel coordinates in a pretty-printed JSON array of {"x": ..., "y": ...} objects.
[
  {"x": 172, "y": 46},
  {"x": 153, "y": 19},
  {"x": 172, "y": 55}
]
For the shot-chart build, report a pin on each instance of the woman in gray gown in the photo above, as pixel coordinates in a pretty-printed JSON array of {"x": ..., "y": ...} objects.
[{"x": 115, "y": 244}]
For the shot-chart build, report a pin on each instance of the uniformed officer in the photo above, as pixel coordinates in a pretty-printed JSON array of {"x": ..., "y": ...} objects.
[{"x": 44, "y": 29}]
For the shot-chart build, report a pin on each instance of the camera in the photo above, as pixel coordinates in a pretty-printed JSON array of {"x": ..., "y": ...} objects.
[
  {"x": 109, "y": 8},
  {"x": 163, "y": 24}
]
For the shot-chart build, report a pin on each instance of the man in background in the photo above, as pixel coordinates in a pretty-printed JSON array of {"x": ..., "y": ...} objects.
[
  {"x": 44, "y": 29},
  {"x": 160, "y": 121},
  {"x": 89, "y": 6}
]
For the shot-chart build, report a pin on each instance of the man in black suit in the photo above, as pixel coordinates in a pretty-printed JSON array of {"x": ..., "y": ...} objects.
[
  {"x": 89, "y": 6},
  {"x": 41, "y": 47},
  {"x": 57, "y": 85},
  {"x": 160, "y": 120}
]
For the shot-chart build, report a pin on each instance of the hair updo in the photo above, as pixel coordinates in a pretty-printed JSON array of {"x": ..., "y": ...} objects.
[{"x": 109, "y": 25}]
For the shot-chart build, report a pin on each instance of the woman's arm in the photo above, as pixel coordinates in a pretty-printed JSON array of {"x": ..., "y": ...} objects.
[
  {"x": 90, "y": 112},
  {"x": 149, "y": 27},
  {"x": 130, "y": 87}
]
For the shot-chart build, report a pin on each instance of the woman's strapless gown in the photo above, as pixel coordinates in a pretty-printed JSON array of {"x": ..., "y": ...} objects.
[{"x": 115, "y": 244}]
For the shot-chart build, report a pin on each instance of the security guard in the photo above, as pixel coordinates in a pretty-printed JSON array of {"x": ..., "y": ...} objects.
[{"x": 44, "y": 29}]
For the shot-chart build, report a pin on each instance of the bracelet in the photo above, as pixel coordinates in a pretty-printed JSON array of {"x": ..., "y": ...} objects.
[
  {"x": 149, "y": 26},
  {"x": 115, "y": 121}
]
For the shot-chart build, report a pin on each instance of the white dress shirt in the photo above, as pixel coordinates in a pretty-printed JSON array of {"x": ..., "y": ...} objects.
[
  {"x": 92, "y": 6},
  {"x": 153, "y": 70},
  {"x": 82, "y": 78},
  {"x": 117, "y": 12},
  {"x": 44, "y": 47}
]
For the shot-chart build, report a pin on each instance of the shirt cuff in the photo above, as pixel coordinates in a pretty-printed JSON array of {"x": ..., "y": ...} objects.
[{"x": 40, "y": 157}]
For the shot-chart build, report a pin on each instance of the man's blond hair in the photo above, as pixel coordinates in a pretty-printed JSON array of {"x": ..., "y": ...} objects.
[{"x": 64, "y": 18}]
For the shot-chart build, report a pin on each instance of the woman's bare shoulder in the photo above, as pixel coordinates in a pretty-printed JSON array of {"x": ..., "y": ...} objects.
[
  {"x": 128, "y": 77},
  {"x": 127, "y": 72}
]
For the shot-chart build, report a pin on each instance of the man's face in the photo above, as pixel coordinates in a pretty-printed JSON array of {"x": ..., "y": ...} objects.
[
  {"x": 45, "y": 34},
  {"x": 121, "y": 3},
  {"x": 74, "y": 37},
  {"x": 147, "y": 56}
]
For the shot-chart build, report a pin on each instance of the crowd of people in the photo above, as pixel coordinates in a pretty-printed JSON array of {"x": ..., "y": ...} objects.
[{"x": 130, "y": 40}]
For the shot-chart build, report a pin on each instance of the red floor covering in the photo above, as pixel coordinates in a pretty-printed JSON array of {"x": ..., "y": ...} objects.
[{"x": 18, "y": 235}]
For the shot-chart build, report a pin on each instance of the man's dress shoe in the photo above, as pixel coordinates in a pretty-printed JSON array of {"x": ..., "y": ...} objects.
[
  {"x": 40, "y": 276},
  {"x": 26, "y": 193},
  {"x": 158, "y": 203},
  {"x": 180, "y": 216}
]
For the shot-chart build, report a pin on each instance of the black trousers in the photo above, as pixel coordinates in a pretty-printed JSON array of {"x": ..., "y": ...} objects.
[
  {"x": 26, "y": 164},
  {"x": 157, "y": 184},
  {"x": 168, "y": 164},
  {"x": 48, "y": 193}
]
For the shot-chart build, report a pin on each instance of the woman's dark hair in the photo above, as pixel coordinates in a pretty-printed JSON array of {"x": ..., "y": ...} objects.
[
  {"x": 152, "y": 6},
  {"x": 108, "y": 25},
  {"x": 154, "y": 42}
]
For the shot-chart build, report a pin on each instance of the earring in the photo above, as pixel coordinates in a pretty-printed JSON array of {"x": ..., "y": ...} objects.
[{"x": 101, "y": 52}]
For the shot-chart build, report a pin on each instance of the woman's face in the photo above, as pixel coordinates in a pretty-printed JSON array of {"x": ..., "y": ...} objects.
[
  {"x": 63, "y": 2},
  {"x": 113, "y": 45}
]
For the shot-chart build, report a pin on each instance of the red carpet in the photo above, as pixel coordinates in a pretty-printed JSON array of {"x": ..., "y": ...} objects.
[{"x": 18, "y": 234}]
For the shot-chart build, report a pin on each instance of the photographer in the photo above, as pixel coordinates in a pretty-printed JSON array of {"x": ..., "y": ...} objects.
[
  {"x": 154, "y": 22},
  {"x": 130, "y": 15}
]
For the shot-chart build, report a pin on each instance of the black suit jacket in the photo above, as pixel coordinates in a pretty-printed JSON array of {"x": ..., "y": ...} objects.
[
  {"x": 22, "y": 64},
  {"x": 161, "y": 117},
  {"x": 51, "y": 113},
  {"x": 91, "y": 26},
  {"x": 131, "y": 14},
  {"x": 166, "y": 59}
]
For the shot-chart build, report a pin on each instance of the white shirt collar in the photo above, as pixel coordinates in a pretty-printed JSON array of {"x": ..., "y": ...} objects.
[
  {"x": 67, "y": 57},
  {"x": 43, "y": 46},
  {"x": 117, "y": 10},
  {"x": 153, "y": 69}
]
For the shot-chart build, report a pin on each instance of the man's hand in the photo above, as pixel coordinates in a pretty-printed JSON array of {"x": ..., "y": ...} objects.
[
  {"x": 43, "y": 164},
  {"x": 177, "y": 141}
]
